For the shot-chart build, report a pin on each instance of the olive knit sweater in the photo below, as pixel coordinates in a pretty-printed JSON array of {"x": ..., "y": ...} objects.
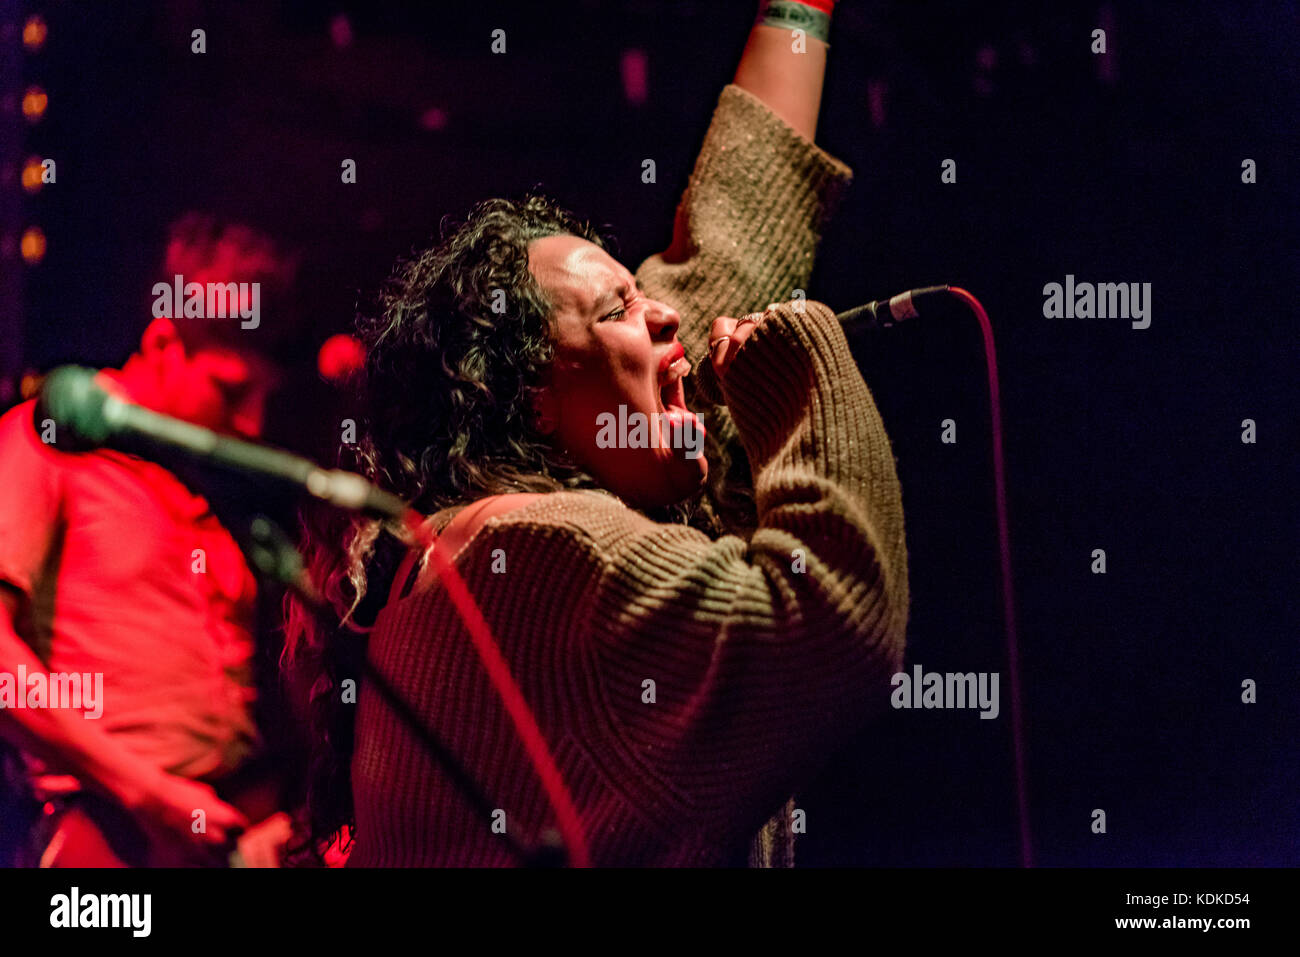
[{"x": 686, "y": 685}]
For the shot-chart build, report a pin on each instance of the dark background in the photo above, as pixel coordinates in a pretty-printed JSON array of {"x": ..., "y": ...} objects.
[{"x": 1125, "y": 168}]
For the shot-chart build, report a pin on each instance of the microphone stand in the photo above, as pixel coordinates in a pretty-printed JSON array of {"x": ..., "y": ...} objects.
[
  {"x": 885, "y": 314},
  {"x": 272, "y": 554},
  {"x": 94, "y": 418}
]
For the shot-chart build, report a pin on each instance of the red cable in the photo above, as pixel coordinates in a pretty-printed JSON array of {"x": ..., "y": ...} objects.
[
  {"x": 566, "y": 814},
  {"x": 1008, "y": 598}
]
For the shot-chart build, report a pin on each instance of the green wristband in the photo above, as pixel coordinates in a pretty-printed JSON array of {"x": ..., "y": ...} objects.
[{"x": 791, "y": 15}]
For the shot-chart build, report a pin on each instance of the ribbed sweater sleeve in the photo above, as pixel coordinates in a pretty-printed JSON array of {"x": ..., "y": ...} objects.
[
  {"x": 687, "y": 684},
  {"x": 749, "y": 221},
  {"x": 764, "y": 655},
  {"x": 745, "y": 235}
]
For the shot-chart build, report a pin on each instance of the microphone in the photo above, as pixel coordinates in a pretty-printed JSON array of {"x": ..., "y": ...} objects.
[
  {"x": 86, "y": 417},
  {"x": 887, "y": 313}
]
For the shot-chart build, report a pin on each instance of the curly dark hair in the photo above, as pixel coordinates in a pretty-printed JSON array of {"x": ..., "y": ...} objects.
[{"x": 458, "y": 343}]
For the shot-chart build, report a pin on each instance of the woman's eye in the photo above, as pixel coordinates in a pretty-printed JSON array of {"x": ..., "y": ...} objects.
[{"x": 616, "y": 314}]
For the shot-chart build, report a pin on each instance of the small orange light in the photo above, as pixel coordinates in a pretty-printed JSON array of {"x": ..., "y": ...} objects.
[
  {"x": 32, "y": 245},
  {"x": 34, "y": 103},
  {"x": 34, "y": 33},
  {"x": 32, "y": 174},
  {"x": 28, "y": 386}
]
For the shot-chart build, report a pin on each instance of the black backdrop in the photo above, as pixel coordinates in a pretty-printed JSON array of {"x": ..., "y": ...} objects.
[{"x": 1117, "y": 438}]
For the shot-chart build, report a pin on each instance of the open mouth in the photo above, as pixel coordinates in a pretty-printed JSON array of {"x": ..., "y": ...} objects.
[
  {"x": 672, "y": 391},
  {"x": 683, "y": 427}
]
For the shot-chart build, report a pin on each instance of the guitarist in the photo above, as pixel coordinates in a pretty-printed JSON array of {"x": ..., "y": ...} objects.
[{"x": 111, "y": 565}]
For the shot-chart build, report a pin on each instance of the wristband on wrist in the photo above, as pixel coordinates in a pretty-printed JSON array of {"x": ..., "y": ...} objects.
[{"x": 813, "y": 17}]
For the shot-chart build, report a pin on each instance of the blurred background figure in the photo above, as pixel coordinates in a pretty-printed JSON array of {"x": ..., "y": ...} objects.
[{"x": 116, "y": 566}]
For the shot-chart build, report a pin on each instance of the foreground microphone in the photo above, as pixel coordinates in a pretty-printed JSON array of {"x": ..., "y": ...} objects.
[
  {"x": 86, "y": 417},
  {"x": 885, "y": 314}
]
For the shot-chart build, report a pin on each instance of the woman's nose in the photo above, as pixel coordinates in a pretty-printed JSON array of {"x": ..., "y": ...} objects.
[{"x": 664, "y": 318}]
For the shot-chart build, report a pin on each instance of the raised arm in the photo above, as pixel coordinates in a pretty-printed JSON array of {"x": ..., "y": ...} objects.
[
  {"x": 751, "y": 217},
  {"x": 785, "y": 72}
]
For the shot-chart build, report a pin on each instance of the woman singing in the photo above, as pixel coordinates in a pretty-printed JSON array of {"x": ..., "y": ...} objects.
[{"x": 695, "y": 633}]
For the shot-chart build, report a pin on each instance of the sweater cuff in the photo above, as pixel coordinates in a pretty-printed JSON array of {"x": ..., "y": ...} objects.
[
  {"x": 749, "y": 221},
  {"x": 744, "y": 119},
  {"x": 797, "y": 351}
]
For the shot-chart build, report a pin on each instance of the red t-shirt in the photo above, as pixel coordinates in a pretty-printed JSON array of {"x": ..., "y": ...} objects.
[{"x": 131, "y": 575}]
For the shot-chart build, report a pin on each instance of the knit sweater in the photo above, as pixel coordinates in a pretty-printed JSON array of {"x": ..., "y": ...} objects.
[{"x": 686, "y": 685}]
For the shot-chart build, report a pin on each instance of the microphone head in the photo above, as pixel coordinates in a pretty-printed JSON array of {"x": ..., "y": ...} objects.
[{"x": 75, "y": 403}]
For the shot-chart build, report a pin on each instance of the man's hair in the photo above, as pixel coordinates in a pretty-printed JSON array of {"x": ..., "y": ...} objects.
[{"x": 205, "y": 248}]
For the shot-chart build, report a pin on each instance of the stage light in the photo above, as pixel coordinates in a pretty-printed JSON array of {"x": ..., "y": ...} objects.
[
  {"x": 434, "y": 118},
  {"x": 341, "y": 31},
  {"x": 340, "y": 357},
  {"x": 30, "y": 385},
  {"x": 634, "y": 67},
  {"x": 34, "y": 33},
  {"x": 34, "y": 103},
  {"x": 32, "y": 174},
  {"x": 32, "y": 245}
]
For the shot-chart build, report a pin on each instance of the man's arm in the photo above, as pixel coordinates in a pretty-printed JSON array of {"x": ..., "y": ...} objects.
[
  {"x": 70, "y": 743},
  {"x": 62, "y": 738},
  {"x": 30, "y": 509}
]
